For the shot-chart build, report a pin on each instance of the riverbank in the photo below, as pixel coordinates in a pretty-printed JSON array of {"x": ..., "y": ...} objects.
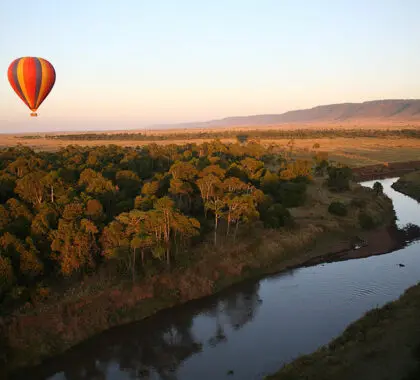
[
  {"x": 386, "y": 170},
  {"x": 384, "y": 344},
  {"x": 51, "y": 328},
  {"x": 409, "y": 184}
]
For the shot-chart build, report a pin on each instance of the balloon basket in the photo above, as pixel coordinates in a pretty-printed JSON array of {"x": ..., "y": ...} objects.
[{"x": 33, "y": 114}]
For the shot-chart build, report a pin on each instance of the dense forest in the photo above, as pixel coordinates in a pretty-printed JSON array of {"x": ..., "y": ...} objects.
[
  {"x": 133, "y": 211},
  {"x": 240, "y": 136}
]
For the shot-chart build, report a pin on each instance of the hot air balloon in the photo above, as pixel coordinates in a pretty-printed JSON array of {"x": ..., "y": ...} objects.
[{"x": 32, "y": 79}]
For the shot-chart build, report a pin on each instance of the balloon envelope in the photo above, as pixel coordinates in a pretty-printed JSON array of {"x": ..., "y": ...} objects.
[{"x": 32, "y": 79}]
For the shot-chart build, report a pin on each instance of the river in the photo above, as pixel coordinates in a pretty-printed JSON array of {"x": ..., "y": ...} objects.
[{"x": 252, "y": 329}]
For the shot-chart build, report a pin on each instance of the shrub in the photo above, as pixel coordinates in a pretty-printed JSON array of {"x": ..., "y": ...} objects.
[
  {"x": 291, "y": 194},
  {"x": 379, "y": 189},
  {"x": 339, "y": 178},
  {"x": 366, "y": 221},
  {"x": 337, "y": 208},
  {"x": 277, "y": 216},
  {"x": 242, "y": 139}
]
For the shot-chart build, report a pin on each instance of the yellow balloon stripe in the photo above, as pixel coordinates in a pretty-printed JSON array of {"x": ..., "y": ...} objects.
[{"x": 21, "y": 80}]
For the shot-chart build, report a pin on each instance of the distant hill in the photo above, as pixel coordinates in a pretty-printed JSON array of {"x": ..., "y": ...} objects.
[{"x": 372, "y": 112}]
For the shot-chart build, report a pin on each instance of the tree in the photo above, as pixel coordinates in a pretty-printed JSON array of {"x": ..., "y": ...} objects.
[
  {"x": 53, "y": 185},
  {"x": 337, "y": 208},
  {"x": 30, "y": 263},
  {"x": 134, "y": 235},
  {"x": 69, "y": 212},
  {"x": 94, "y": 210},
  {"x": 185, "y": 228},
  {"x": 214, "y": 170},
  {"x": 216, "y": 205},
  {"x": 20, "y": 216},
  {"x": 298, "y": 168},
  {"x": 7, "y": 185},
  {"x": 150, "y": 188},
  {"x": 207, "y": 185},
  {"x": 253, "y": 168},
  {"x": 378, "y": 188},
  {"x": 31, "y": 188},
  {"x": 7, "y": 277},
  {"x": 75, "y": 244},
  {"x": 244, "y": 212},
  {"x": 183, "y": 171},
  {"x": 339, "y": 178},
  {"x": 129, "y": 182},
  {"x": 242, "y": 138},
  {"x": 4, "y": 218},
  {"x": 270, "y": 183},
  {"x": 165, "y": 207},
  {"x": 277, "y": 216}
]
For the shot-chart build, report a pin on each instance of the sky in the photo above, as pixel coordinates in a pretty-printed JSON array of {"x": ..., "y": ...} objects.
[{"x": 135, "y": 63}]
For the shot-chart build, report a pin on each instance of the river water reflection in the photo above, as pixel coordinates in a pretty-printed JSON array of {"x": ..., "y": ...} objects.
[{"x": 252, "y": 329}]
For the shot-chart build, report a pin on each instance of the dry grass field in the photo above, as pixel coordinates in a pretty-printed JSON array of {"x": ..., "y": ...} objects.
[{"x": 354, "y": 151}]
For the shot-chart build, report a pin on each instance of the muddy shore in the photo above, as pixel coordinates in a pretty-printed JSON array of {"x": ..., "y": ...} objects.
[{"x": 378, "y": 242}]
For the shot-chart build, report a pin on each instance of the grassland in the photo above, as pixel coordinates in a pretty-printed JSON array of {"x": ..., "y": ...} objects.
[
  {"x": 409, "y": 184},
  {"x": 357, "y": 151}
]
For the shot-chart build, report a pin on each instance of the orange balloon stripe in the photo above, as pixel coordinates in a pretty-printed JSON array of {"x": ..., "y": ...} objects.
[
  {"x": 21, "y": 80},
  {"x": 47, "y": 82},
  {"x": 29, "y": 78},
  {"x": 13, "y": 79}
]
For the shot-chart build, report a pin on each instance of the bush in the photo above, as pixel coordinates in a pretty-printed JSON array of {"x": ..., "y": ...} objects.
[
  {"x": 276, "y": 216},
  {"x": 301, "y": 179},
  {"x": 337, "y": 208},
  {"x": 291, "y": 194},
  {"x": 339, "y": 178},
  {"x": 366, "y": 221},
  {"x": 379, "y": 189}
]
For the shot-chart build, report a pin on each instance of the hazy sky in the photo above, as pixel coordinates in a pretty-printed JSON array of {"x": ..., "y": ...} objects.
[{"x": 130, "y": 63}]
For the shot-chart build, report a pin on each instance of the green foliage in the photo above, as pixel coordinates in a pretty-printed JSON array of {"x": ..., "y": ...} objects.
[
  {"x": 366, "y": 221},
  {"x": 251, "y": 134},
  {"x": 132, "y": 210},
  {"x": 291, "y": 194},
  {"x": 277, "y": 216},
  {"x": 337, "y": 208},
  {"x": 409, "y": 184},
  {"x": 242, "y": 138},
  {"x": 379, "y": 189},
  {"x": 6, "y": 274},
  {"x": 339, "y": 178}
]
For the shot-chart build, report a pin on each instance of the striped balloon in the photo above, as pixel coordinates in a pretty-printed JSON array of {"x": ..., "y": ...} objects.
[{"x": 32, "y": 79}]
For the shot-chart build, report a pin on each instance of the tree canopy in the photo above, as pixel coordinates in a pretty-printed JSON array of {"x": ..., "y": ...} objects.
[{"x": 68, "y": 213}]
